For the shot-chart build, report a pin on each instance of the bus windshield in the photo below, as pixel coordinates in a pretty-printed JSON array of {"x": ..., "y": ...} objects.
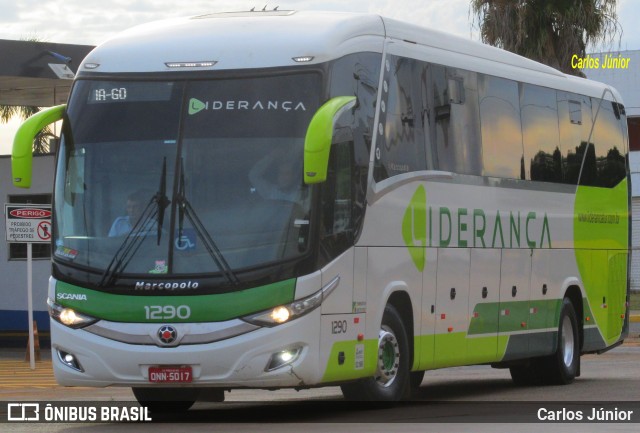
[{"x": 184, "y": 177}]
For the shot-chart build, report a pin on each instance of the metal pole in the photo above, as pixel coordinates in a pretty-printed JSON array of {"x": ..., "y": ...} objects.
[{"x": 32, "y": 357}]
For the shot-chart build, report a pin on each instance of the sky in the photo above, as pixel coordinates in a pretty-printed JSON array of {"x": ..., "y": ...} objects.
[{"x": 89, "y": 22}]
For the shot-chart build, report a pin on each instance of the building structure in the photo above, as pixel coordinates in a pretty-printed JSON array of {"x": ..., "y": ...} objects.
[{"x": 31, "y": 74}]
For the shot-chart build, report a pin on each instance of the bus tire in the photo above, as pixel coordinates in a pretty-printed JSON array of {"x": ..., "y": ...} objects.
[
  {"x": 564, "y": 365},
  {"x": 391, "y": 380},
  {"x": 171, "y": 400}
]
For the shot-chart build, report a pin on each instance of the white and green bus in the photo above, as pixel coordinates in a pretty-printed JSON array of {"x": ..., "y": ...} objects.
[{"x": 296, "y": 199}]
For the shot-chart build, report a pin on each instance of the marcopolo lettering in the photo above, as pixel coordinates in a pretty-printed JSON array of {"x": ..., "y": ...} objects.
[{"x": 169, "y": 285}]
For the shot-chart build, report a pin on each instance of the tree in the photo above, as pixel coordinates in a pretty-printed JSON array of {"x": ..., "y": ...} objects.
[
  {"x": 547, "y": 31},
  {"x": 41, "y": 143}
]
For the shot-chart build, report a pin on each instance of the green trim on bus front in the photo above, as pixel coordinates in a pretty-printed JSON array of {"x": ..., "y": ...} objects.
[
  {"x": 601, "y": 240},
  {"x": 22, "y": 152},
  {"x": 201, "y": 308},
  {"x": 317, "y": 143},
  {"x": 337, "y": 371}
]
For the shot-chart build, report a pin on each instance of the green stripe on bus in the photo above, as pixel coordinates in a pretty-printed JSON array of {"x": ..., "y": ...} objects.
[
  {"x": 189, "y": 308},
  {"x": 496, "y": 317},
  {"x": 457, "y": 348}
]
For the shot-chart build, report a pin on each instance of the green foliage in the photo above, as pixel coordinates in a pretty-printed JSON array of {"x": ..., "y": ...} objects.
[
  {"x": 41, "y": 143},
  {"x": 548, "y": 31}
]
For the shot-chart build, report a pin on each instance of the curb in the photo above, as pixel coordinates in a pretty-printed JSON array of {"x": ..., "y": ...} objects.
[{"x": 634, "y": 318}]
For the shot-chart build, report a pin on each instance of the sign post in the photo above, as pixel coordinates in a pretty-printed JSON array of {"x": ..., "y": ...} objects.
[{"x": 28, "y": 223}]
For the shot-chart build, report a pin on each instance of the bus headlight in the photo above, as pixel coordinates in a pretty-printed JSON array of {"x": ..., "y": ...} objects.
[
  {"x": 68, "y": 316},
  {"x": 285, "y": 313},
  {"x": 280, "y": 314}
]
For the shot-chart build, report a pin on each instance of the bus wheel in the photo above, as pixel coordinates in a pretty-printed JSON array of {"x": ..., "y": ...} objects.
[
  {"x": 563, "y": 366},
  {"x": 168, "y": 400},
  {"x": 391, "y": 380}
]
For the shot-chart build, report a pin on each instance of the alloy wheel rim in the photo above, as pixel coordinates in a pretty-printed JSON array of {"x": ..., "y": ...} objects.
[
  {"x": 567, "y": 342},
  {"x": 388, "y": 357}
]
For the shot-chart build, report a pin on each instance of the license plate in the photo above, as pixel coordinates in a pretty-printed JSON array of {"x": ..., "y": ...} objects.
[{"x": 170, "y": 374}]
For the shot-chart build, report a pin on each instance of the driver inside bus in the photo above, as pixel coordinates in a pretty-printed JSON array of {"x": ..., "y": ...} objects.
[
  {"x": 274, "y": 177},
  {"x": 122, "y": 225}
]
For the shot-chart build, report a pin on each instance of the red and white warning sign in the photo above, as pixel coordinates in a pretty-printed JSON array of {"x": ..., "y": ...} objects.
[{"x": 26, "y": 223}]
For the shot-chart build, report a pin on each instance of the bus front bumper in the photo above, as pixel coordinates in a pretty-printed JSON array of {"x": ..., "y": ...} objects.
[{"x": 246, "y": 360}]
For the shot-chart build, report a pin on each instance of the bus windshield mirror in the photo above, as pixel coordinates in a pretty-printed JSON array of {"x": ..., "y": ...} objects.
[{"x": 317, "y": 142}]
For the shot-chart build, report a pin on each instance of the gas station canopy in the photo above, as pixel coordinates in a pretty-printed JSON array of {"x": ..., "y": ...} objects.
[{"x": 38, "y": 73}]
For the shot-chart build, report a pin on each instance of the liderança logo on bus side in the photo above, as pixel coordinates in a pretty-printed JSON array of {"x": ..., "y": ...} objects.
[
  {"x": 196, "y": 105},
  {"x": 426, "y": 226}
]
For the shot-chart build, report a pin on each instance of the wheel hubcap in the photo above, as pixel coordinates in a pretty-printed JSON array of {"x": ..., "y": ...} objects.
[
  {"x": 567, "y": 342},
  {"x": 388, "y": 357}
]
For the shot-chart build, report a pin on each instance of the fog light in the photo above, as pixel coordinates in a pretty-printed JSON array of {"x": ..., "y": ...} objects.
[
  {"x": 69, "y": 360},
  {"x": 285, "y": 357}
]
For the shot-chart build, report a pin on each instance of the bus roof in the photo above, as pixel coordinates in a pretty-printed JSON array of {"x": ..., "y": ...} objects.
[{"x": 264, "y": 39}]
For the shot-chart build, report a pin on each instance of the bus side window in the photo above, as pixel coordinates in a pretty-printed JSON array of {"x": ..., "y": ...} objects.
[
  {"x": 502, "y": 150},
  {"x": 337, "y": 199},
  {"x": 608, "y": 167},
  {"x": 358, "y": 74},
  {"x": 540, "y": 134},
  {"x": 452, "y": 120},
  {"x": 400, "y": 144},
  {"x": 575, "y": 121}
]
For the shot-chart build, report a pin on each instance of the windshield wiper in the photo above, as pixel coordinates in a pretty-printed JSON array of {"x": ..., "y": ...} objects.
[
  {"x": 129, "y": 245},
  {"x": 185, "y": 208},
  {"x": 161, "y": 199}
]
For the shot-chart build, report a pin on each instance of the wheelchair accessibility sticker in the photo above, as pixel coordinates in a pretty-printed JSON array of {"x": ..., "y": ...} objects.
[{"x": 186, "y": 242}]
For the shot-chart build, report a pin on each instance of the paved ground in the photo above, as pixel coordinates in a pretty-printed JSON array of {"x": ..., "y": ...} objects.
[{"x": 459, "y": 399}]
